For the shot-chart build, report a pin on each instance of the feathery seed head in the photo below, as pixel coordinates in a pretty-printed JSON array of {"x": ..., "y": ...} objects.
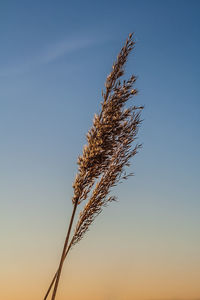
[{"x": 113, "y": 126}]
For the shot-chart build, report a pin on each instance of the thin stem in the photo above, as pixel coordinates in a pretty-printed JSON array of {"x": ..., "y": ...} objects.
[
  {"x": 49, "y": 289},
  {"x": 54, "y": 278},
  {"x": 63, "y": 253}
]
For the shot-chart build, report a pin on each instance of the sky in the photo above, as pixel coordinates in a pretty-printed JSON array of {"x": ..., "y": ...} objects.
[{"x": 54, "y": 60}]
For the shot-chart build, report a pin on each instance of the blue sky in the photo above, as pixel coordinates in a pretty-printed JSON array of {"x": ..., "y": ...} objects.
[{"x": 54, "y": 59}]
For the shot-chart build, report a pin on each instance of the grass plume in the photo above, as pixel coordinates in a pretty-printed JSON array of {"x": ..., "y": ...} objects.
[{"x": 107, "y": 153}]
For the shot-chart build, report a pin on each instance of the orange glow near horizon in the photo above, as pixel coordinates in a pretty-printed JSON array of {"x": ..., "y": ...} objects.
[{"x": 98, "y": 273}]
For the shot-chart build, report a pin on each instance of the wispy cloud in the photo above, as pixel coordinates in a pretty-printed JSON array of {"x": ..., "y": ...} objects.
[
  {"x": 49, "y": 54},
  {"x": 65, "y": 47}
]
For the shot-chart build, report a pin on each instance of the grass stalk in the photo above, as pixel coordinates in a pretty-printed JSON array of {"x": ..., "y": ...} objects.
[
  {"x": 106, "y": 155},
  {"x": 64, "y": 252},
  {"x": 54, "y": 278}
]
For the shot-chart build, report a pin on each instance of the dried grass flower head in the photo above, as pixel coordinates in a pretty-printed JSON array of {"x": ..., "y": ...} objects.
[{"x": 110, "y": 126}]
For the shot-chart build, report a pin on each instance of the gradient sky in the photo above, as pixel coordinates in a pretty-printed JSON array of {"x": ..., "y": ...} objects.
[{"x": 54, "y": 59}]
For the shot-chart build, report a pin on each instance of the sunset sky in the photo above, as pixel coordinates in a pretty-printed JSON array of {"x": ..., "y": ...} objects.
[{"x": 55, "y": 56}]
